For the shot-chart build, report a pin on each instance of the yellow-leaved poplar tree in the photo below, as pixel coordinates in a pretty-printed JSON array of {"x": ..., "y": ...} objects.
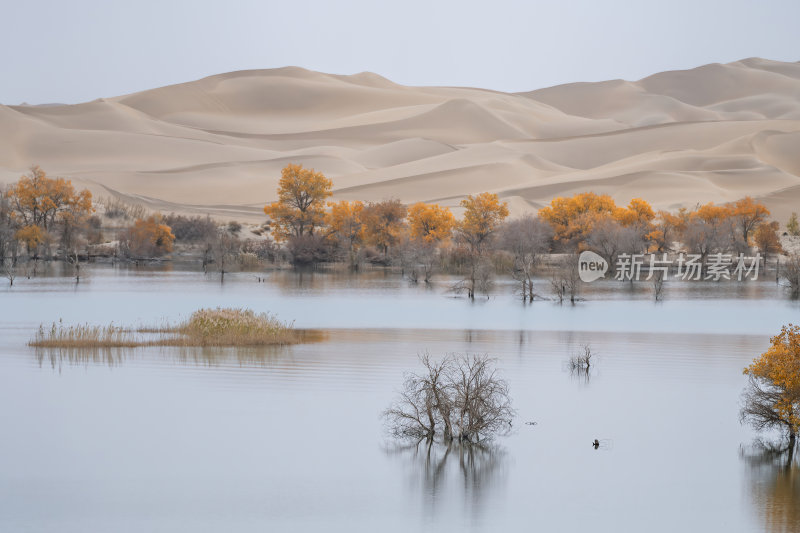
[
  {"x": 573, "y": 218},
  {"x": 749, "y": 214},
  {"x": 483, "y": 214},
  {"x": 772, "y": 398},
  {"x": 149, "y": 237},
  {"x": 41, "y": 201},
  {"x": 301, "y": 202},
  {"x": 384, "y": 223},
  {"x": 345, "y": 226},
  {"x": 430, "y": 223}
]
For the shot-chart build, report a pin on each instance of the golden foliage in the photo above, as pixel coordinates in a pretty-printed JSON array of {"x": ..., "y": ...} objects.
[
  {"x": 41, "y": 201},
  {"x": 749, "y": 215},
  {"x": 383, "y": 223},
  {"x": 149, "y": 237},
  {"x": 482, "y": 214},
  {"x": 301, "y": 202},
  {"x": 344, "y": 221},
  {"x": 430, "y": 223},
  {"x": 572, "y": 219},
  {"x": 712, "y": 214},
  {"x": 779, "y": 367},
  {"x": 666, "y": 229},
  {"x": 766, "y": 238},
  {"x": 639, "y": 213},
  {"x": 32, "y": 236}
]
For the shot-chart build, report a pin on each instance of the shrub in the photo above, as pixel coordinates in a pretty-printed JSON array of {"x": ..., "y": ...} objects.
[{"x": 235, "y": 327}]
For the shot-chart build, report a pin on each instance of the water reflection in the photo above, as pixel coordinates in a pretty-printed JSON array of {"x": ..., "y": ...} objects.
[
  {"x": 774, "y": 475},
  {"x": 436, "y": 469},
  {"x": 210, "y": 356}
]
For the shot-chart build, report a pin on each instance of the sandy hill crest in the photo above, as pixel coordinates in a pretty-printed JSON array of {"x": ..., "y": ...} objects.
[{"x": 713, "y": 133}]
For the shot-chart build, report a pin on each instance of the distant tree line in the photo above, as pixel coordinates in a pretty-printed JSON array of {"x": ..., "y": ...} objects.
[
  {"x": 424, "y": 237},
  {"x": 41, "y": 217}
]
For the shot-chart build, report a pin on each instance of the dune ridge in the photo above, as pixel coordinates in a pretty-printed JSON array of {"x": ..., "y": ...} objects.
[{"x": 216, "y": 145}]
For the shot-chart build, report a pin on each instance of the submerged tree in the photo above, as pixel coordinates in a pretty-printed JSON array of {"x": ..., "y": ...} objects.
[
  {"x": 528, "y": 238},
  {"x": 772, "y": 397},
  {"x": 346, "y": 228},
  {"x": 483, "y": 214},
  {"x": 790, "y": 274},
  {"x": 383, "y": 224},
  {"x": 460, "y": 397}
]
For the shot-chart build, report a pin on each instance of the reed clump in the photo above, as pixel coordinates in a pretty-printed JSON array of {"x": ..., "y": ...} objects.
[
  {"x": 227, "y": 327},
  {"x": 234, "y": 327},
  {"x": 83, "y": 336}
]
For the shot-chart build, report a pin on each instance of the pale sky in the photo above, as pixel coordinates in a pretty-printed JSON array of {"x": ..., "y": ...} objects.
[{"x": 77, "y": 50}]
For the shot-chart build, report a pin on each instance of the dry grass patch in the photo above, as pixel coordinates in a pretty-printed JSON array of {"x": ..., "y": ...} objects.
[
  {"x": 83, "y": 336},
  {"x": 234, "y": 327},
  {"x": 206, "y": 327}
]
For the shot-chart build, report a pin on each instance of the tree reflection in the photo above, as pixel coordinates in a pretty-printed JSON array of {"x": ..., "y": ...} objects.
[
  {"x": 774, "y": 475},
  {"x": 436, "y": 467}
]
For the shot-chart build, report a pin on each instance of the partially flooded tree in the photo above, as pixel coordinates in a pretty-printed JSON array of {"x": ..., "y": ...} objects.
[
  {"x": 565, "y": 279},
  {"x": 223, "y": 251},
  {"x": 482, "y": 216},
  {"x": 580, "y": 363},
  {"x": 528, "y": 238},
  {"x": 346, "y": 228},
  {"x": 8, "y": 270},
  {"x": 429, "y": 227},
  {"x": 460, "y": 397},
  {"x": 383, "y": 224},
  {"x": 790, "y": 274},
  {"x": 772, "y": 397}
]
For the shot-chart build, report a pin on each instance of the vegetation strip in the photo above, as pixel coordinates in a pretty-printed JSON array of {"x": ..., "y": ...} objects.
[{"x": 205, "y": 327}]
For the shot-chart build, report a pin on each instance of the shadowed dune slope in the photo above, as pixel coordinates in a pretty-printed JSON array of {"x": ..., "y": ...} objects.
[{"x": 216, "y": 145}]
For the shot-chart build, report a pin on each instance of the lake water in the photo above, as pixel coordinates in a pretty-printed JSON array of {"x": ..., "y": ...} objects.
[{"x": 291, "y": 439}]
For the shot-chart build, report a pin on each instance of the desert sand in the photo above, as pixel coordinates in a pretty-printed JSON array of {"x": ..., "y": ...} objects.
[{"x": 217, "y": 145}]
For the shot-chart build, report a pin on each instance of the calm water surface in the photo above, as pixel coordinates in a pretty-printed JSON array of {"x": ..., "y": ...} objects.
[{"x": 291, "y": 439}]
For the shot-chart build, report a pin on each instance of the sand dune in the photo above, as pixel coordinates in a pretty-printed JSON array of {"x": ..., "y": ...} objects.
[{"x": 216, "y": 145}]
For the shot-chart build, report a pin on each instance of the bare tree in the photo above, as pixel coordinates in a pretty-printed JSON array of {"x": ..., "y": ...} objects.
[
  {"x": 760, "y": 407},
  {"x": 610, "y": 238},
  {"x": 527, "y": 238},
  {"x": 705, "y": 238},
  {"x": 9, "y": 270},
  {"x": 481, "y": 406},
  {"x": 222, "y": 250},
  {"x": 580, "y": 363},
  {"x": 582, "y": 360},
  {"x": 565, "y": 280},
  {"x": 658, "y": 285},
  {"x": 478, "y": 278},
  {"x": 417, "y": 259},
  {"x": 461, "y": 394},
  {"x": 790, "y": 274}
]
